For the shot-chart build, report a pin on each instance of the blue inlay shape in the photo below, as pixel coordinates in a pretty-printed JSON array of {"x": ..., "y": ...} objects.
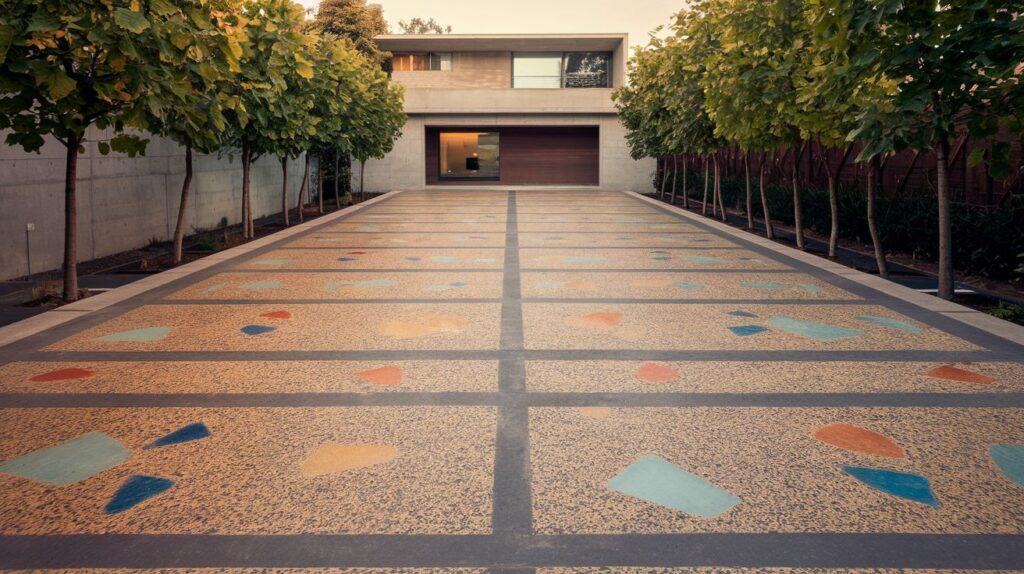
[
  {"x": 137, "y": 489},
  {"x": 188, "y": 433},
  {"x": 658, "y": 481},
  {"x": 762, "y": 285},
  {"x": 347, "y": 259},
  {"x": 747, "y": 314},
  {"x": 747, "y": 330},
  {"x": 702, "y": 259},
  {"x": 252, "y": 330},
  {"x": 687, "y": 286},
  {"x": 412, "y": 258},
  {"x": 899, "y": 484}
]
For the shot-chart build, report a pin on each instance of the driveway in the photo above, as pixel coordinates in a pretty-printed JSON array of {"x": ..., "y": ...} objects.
[{"x": 514, "y": 382}]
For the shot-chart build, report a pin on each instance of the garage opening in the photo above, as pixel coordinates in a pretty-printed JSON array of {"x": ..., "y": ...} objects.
[{"x": 534, "y": 155}]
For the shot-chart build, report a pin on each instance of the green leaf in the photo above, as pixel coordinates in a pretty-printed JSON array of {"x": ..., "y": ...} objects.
[
  {"x": 134, "y": 22},
  {"x": 103, "y": 147},
  {"x": 43, "y": 21},
  {"x": 162, "y": 7},
  {"x": 57, "y": 83},
  {"x": 6, "y": 37}
]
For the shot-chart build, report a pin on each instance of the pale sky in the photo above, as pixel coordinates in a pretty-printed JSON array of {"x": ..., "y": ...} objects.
[{"x": 636, "y": 17}]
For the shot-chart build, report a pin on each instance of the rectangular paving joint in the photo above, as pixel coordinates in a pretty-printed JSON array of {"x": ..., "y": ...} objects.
[{"x": 474, "y": 381}]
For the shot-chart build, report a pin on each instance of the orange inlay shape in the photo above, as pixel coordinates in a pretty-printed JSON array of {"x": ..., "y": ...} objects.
[
  {"x": 595, "y": 320},
  {"x": 335, "y": 457},
  {"x": 424, "y": 326},
  {"x": 595, "y": 412},
  {"x": 655, "y": 373},
  {"x": 951, "y": 373},
  {"x": 277, "y": 315},
  {"x": 857, "y": 439},
  {"x": 389, "y": 375},
  {"x": 63, "y": 375},
  {"x": 580, "y": 285}
]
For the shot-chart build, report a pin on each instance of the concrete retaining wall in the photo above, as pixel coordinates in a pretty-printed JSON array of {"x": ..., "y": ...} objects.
[{"x": 123, "y": 203}]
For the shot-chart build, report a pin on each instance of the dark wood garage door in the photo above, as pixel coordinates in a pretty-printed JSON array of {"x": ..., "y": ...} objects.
[{"x": 530, "y": 156}]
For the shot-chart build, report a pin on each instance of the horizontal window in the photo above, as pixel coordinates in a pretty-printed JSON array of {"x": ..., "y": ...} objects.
[
  {"x": 433, "y": 61},
  {"x": 561, "y": 70}
]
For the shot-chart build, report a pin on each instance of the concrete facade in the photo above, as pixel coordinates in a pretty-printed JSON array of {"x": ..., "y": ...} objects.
[
  {"x": 123, "y": 203},
  {"x": 478, "y": 92}
]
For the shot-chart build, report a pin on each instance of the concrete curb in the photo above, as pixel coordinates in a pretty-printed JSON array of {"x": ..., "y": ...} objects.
[
  {"x": 33, "y": 325},
  {"x": 976, "y": 319}
]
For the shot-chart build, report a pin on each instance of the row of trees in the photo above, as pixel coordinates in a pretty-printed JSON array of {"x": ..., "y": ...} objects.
[
  {"x": 768, "y": 76},
  {"x": 215, "y": 76}
]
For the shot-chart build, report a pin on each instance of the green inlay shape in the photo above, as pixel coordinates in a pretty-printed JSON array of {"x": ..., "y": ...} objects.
[
  {"x": 144, "y": 335},
  {"x": 215, "y": 288},
  {"x": 701, "y": 259},
  {"x": 69, "y": 462},
  {"x": 763, "y": 285},
  {"x": 656, "y": 480},
  {"x": 686, "y": 286},
  {"x": 263, "y": 285},
  {"x": 891, "y": 323},
  {"x": 808, "y": 288},
  {"x": 812, "y": 330}
]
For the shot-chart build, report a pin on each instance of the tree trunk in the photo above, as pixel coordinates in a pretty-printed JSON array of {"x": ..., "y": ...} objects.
[
  {"x": 686, "y": 191},
  {"x": 71, "y": 221},
  {"x": 876, "y": 240},
  {"x": 718, "y": 190},
  {"x": 284, "y": 189},
  {"x": 337, "y": 200},
  {"x": 750, "y": 198},
  {"x": 675, "y": 178},
  {"x": 769, "y": 232},
  {"x": 798, "y": 222},
  {"x": 664, "y": 178},
  {"x": 362, "y": 180},
  {"x": 320, "y": 181},
  {"x": 246, "y": 208},
  {"x": 179, "y": 227},
  {"x": 833, "y": 206},
  {"x": 945, "y": 221},
  {"x": 707, "y": 180},
  {"x": 302, "y": 188}
]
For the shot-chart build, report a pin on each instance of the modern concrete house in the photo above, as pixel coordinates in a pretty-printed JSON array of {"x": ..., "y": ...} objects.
[{"x": 509, "y": 110}]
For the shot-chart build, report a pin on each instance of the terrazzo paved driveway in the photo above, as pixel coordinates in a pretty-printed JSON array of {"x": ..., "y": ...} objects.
[{"x": 512, "y": 382}]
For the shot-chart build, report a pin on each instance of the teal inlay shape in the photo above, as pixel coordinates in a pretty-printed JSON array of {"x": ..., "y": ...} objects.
[
  {"x": 810, "y": 329},
  {"x": 747, "y": 330},
  {"x": 444, "y": 259},
  {"x": 263, "y": 285},
  {"x": 891, "y": 323},
  {"x": 583, "y": 259},
  {"x": 808, "y": 288},
  {"x": 214, "y": 288},
  {"x": 765, "y": 286},
  {"x": 701, "y": 259},
  {"x": 253, "y": 330},
  {"x": 658, "y": 481},
  {"x": 144, "y": 335},
  {"x": 1010, "y": 459},
  {"x": 899, "y": 484},
  {"x": 272, "y": 262},
  {"x": 686, "y": 286},
  {"x": 187, "y": 433},
  {"x": 661, "y": 258},
  {"x": 747, "y": 314},
  {"x": 136, "y": 490},
  {"x": 444, "y": 287},
  {"x": 69, "y": 462}
]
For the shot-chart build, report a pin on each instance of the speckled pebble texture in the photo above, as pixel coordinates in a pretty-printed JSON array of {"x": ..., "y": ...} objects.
[
  {"x": 540, "y": 381},
  {"x": 246, "y": 477},
  {"x": 787, "y": 480}
]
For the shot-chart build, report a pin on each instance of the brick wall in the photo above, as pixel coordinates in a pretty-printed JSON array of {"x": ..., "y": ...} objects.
[{"x": 469, "y": 70}]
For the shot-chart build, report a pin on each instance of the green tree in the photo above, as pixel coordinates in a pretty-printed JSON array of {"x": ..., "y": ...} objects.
[
  {"x": 375, "y": 118},
  {"x": 354, "y": 20},
  {"x": 68, "y": 65},
  {"x": 197, "y": 122},
  {"x": 257, "y": 96},
  {"x": 421, "y": 26},
  {"x": 953, "y": 63}
]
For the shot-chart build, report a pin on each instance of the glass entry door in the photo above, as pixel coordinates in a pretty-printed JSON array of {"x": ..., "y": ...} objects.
[{"x": 469, "y": 155}]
